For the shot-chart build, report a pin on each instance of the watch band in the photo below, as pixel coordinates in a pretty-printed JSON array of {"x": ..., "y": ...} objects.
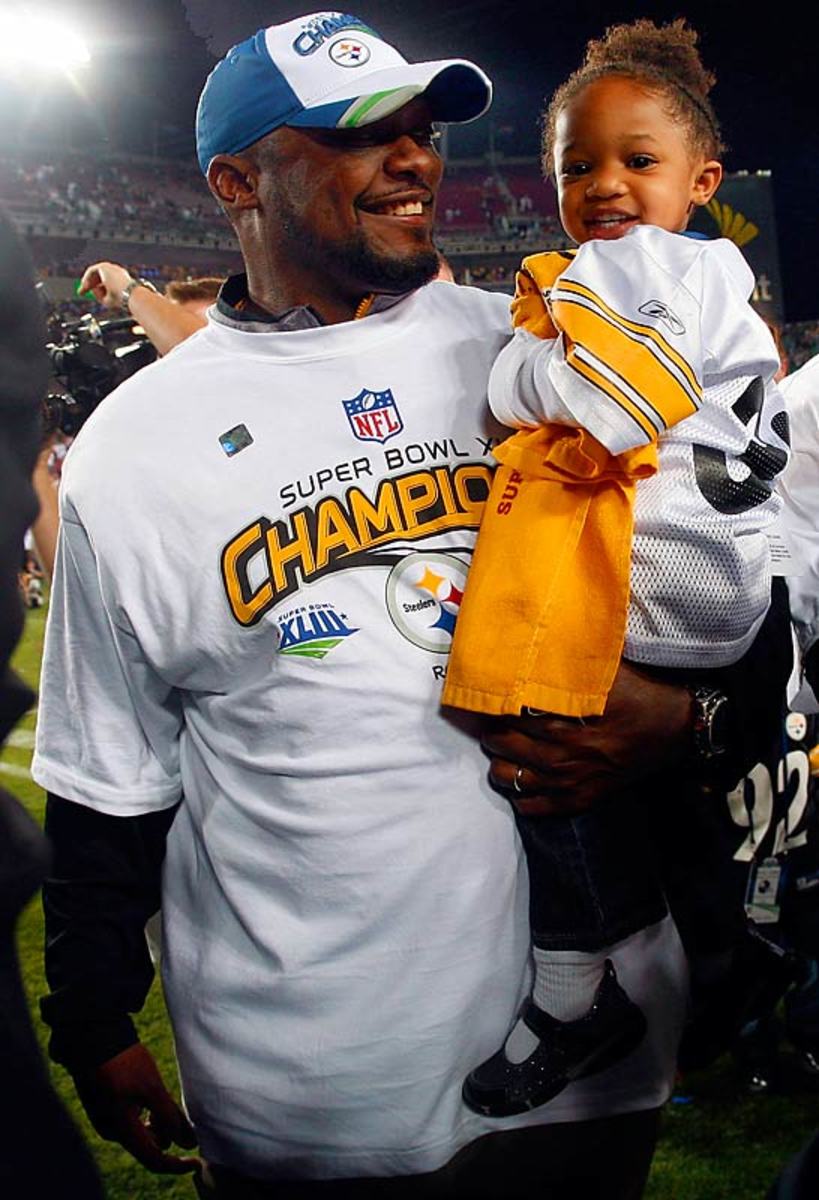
[
  {"x": 709, "y": 729},
  {"x": 125, "y": 303}
]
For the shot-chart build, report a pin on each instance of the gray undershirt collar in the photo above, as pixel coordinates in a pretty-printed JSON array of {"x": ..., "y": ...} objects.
[{"x": 235, "y": 309}]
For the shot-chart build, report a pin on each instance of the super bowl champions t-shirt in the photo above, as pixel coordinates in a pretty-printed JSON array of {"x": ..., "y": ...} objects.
[{"x": 265, "y": 541}]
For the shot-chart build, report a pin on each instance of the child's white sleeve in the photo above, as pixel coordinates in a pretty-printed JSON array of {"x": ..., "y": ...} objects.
[
  {"x": 628, "y": 362},
  {"x": 521, "y": 394}
]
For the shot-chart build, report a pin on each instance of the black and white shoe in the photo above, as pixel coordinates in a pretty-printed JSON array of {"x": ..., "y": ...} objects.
[{"x": 566, "y": 1050}]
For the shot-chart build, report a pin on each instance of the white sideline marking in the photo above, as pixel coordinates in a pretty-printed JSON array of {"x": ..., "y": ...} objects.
[
  {"x": 23, "y": 738},
  {"x": 15, "y": 771}
]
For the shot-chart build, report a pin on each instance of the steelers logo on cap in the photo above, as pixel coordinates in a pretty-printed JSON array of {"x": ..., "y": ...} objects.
[{"x": 349, "y": 53}]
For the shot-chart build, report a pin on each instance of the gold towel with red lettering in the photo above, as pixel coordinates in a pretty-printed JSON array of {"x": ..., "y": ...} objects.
[{"x": 543, "y": 620}]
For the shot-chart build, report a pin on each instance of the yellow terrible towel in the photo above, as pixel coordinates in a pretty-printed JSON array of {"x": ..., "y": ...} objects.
[{"x": 543, "y": 620}]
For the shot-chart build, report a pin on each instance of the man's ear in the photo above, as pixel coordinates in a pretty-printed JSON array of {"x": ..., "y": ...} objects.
[
  {"x": 233, "y": 181},
  {"x": 707, "y": 182}
]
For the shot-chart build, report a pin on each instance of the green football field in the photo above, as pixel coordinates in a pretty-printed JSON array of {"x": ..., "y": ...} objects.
[{"x": 717, "y": 1143}]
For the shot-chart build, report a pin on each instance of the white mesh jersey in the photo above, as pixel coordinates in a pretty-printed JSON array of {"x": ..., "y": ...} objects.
[
  {"x": 700, "y": 577},
  {"x": 265, "y": 538}
]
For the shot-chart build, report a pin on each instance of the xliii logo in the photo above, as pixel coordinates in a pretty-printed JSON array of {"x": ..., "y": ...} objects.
[{"x": 312, "y": 631}]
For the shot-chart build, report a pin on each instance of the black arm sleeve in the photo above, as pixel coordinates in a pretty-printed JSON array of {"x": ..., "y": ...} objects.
[
  {"x": 756, "y": 687},
  {"x": 103, "y": 887}
]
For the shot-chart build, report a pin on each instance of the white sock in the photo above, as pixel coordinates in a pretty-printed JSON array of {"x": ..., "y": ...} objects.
[
  {"x": 565, "y": 983},
  {"x": 566, "y": 980}
]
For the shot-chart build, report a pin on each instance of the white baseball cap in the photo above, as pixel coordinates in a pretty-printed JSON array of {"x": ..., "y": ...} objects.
[{"x": 327, "y": 70}]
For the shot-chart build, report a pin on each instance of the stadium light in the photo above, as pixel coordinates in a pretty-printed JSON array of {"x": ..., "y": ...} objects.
[{"x": 37, "y": 40}]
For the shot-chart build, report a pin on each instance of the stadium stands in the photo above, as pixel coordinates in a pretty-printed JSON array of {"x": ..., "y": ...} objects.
[
  {"x": 158, "y": 218},
  {"x": 84, "y": 192}
]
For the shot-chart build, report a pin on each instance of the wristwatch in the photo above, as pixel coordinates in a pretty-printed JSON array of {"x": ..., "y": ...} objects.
[
  {"x": 125, "y": 303},
  {"x": 710, "y": 731}
]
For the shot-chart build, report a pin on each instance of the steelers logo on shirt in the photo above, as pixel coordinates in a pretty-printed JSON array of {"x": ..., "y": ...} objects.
[{"x": 424, "y": 593}]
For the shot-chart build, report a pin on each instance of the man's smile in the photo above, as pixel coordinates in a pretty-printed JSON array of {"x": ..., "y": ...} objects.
[{"x": 413, "y": 208}]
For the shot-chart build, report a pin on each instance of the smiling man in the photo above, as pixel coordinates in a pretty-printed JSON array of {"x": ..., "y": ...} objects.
[
  {"x": 350, "y": 217},
  {"x": 265, "y": 540}
]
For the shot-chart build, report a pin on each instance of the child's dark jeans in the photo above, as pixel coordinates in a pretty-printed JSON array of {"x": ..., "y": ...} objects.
[{"x": 593, "y": 878}]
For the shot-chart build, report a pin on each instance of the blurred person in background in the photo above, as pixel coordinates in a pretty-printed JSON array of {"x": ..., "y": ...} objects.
[
  {"x": 46, "y": 524},
  {"x": 800, "y": 1178},
  {"x": 167, "y": 319},
  {"x": 783, "y": 889},
  {"x": 194, "y": 295},
  {"x": 32, "y": 1115}
]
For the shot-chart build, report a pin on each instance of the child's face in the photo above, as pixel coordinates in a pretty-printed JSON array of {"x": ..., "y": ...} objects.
[{"x": 621, "y": 160}]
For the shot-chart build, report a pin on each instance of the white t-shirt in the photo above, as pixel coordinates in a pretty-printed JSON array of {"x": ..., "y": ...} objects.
[
  {"x": 264, "y": 632},
  {"x": 700, "y": 577}
]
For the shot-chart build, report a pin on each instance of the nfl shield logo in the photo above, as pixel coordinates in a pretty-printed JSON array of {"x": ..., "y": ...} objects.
[{"x": 373, "y": 416}]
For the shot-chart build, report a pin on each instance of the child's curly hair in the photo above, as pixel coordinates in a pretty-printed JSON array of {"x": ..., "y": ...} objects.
[{"x": 663, "y": 57}]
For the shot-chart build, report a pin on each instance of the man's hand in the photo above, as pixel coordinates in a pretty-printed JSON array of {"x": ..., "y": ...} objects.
[
  {"x": 127, "y": 1102},
  {"x": 107, "y": 281},
  {"x": 559, "y": 766}
]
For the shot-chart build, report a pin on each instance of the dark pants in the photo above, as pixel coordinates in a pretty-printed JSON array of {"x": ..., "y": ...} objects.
[
  {"x": 607, "y": 1159},
  {"x": 595, "y": 879},
  {"x": 599, "y": 877},
  {"x": 592, "y": 878}
]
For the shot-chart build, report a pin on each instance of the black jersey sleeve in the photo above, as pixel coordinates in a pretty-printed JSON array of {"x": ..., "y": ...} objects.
[{"x": 756, "y": 687}]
